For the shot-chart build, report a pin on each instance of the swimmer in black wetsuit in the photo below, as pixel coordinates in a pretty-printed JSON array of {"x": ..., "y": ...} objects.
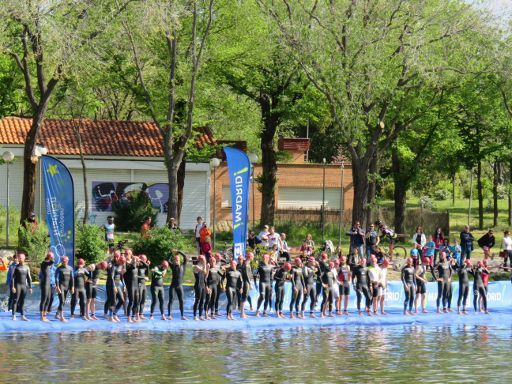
[
  {"x": 421, "y": 284},
  {"x": 213, "y": 280},
  {"x": 265, "y": 285},
  {"x": 361, "y": 281},
  {"x": 328, "y": 289},
  {"x": 479, "y": 291},
  {"x": 143, "y": 276},
  {"x": 157, "y": 288},
  {"x": 408, "y": 277},
  {"x": 323, "y": 266},
  {"x": 233, "y": 285},
  {"x": 45, "y": 277},
  {"x": 131, "y": 281},
  {"x": 223, "y": 264},
  {"x": 311, "y": 272},
  {"x": 298, "y": 288},
  {"x": 280, "y": 277},
  {"x": 443, "y": 274},
  {"x": 246, "y": 271},
  {"x": 344, "y": 280},
  {"x": 117, "y": 271},
  {"x": 80, "y": 275},
  {"x": 463, "y": 272},
  {"x": 201, "y": 270},
  {"x": 178, "y": 267},
  {"x": 21, "y": 282},
  {"x": 64, "y": 283},
  {"x": 91, "y": 288}
]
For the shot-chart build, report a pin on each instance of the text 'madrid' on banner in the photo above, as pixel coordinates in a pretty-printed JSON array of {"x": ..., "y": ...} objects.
[
  {"x": 239, "y": 168},
  {"x": 60, "y": 208}
]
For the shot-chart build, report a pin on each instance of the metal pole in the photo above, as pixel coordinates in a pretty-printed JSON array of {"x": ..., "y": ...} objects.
[
  {"x": 214, "y": 206},
  {"x": 323, "y": 204},
  {"x": 7, "y": 226},
  {"x": 470, "y": 194}
]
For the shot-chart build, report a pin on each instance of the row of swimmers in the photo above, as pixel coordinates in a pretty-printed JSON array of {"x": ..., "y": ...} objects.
[{"x": 331, "y": 279}]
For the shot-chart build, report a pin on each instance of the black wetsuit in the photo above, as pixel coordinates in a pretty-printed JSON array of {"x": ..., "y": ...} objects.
[
  {"x": 310, "y": 276},
  {"x": 444, "y": 288},
  {"x": 143, "y": 269},
  {"x": 212, "y": 282},
  {"x": 91, "y": 285},
  {"x": 200, "y": 292},
  {"x": 22, "y": 282},
  {"x": 323, "y": 267},
  {"x": 176, "y": 287},
  {"x": 478, "y": 288},
  {"x": 280, "y": 277},
  {"x": 362, "y": 285},
  {"x": 298, "y": 287},
  {"x": 157, "y": 289},
  {"x": 408, "y": 277},
  {"x": 344, "y": 287},
  {"x": 45, "y": 286},
  {"x": 421, "y": 286},
  {"x": 265, "y": 285},
  {"x": 118, "y": 282},
  {"x": 328, "y": 278},
  {"x": 64, "y": 280},
  {"x": 233, "y": 282},
  {"x": 246, "y": 271},
  {"x": 131, "y": 279},
  {"x": 80, "y": 275},
  {"x": 463, "y": 286}
]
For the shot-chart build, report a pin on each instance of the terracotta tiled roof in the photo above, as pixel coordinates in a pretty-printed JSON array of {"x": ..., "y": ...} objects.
[{"x": 99, "y": 137}]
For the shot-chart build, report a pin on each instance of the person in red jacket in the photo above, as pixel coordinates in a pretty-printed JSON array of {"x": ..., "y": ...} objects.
[{"x": 206, "y": 248}]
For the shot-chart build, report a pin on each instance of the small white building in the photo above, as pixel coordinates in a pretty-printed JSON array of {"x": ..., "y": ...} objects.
[{"x": 120, "y": 157}]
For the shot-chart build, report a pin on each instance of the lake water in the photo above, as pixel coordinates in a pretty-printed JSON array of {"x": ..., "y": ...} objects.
[{"x": 455, "y": 353}]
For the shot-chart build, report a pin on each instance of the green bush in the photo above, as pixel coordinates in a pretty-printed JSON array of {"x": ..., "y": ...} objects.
[
  {"x": 89, "y": 242},
  {"x": 35, "y": 245},
  {"x": 442, "y": 194},
  {"x": 131, "y": 214},
  {"x": 159, "y": 243}
]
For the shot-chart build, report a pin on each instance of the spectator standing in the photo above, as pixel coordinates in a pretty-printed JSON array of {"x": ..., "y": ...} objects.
[
  {"x": 173, "y": 225},
  {"x": 419, "y": 238},
  {"x": 372, "y": 240},
  {"x": 438, "y": 239},
  {"x": 263, "y": 236},
  {"x": 357, "y": 239},
  {"x": 144, "y": 229},
  {"x": 507, "y": 248},
  {"x": 430, "y": 250},
  {"x": 486, "y": 242},
  {"x": 285, "y": 250},
  {"x": 466, "y": 244},
  {"x": 204, "y": 233},
  {"x": 197, "y": 232},
  {"x": 109, "y": 228}
]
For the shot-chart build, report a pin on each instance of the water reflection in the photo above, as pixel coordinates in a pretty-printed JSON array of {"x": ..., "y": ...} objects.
[{"x": 308, "y": 355}]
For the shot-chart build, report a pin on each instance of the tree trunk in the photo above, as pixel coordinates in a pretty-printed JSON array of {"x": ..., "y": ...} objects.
[
  {"x": 510, "y": 193},
  {"x": 479, "y": 187},
  {"x": 181, "y": 186},
  {"x": 29, "y": 168},
  {"x": 399, "y": 193},
  {"x": 453, "y": 189},
  {"x": 268, "y": 159},
  {"x": 495, "y": 181},
  {"x": 372, "y": 190},
  {"x": 172, "y": 174},
  {"x": 360, "y": 181}
]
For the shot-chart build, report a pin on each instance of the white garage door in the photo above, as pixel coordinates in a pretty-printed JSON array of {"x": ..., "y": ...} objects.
[{"x": 308, "y": 198}]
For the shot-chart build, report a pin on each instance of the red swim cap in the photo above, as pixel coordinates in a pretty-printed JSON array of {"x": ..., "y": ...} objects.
[
  {"x": 81, "y": 262},
  {"x": 121, "y": 260},
  {"x": 165, "y": 264},
  {"x": 144, "y": 258},
  {"x": 311, "y": 259},
  {"x": 64, "y": 259},
  {"x": 298, "y": 260},
  {"x": 102, "y": 265},
  {"x": 287, "y": 266}
]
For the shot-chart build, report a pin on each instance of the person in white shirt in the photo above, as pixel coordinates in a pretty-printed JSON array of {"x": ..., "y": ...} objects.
[
  {"x": 419, "y": 238},
  {"x": 109, "y": 228},
  {"x": 383, "y": 289},
  {"x": 274, "y": 238},
  {"x": 197, "y": 232},
  {"x": 374, "y": 272},
  {"x": 285, "y": 250},
  {"x": 263, "y": 236},
  {"x": 507, "y": 248}
]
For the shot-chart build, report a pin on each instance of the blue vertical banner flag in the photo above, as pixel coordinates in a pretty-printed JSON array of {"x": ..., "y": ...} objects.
[
  {"x": 60, "y": 207},
  {"x": 239, "y": 168}
]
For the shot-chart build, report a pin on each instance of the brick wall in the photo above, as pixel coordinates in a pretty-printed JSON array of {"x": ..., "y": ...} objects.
[{"x": 288, "y": 175}]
